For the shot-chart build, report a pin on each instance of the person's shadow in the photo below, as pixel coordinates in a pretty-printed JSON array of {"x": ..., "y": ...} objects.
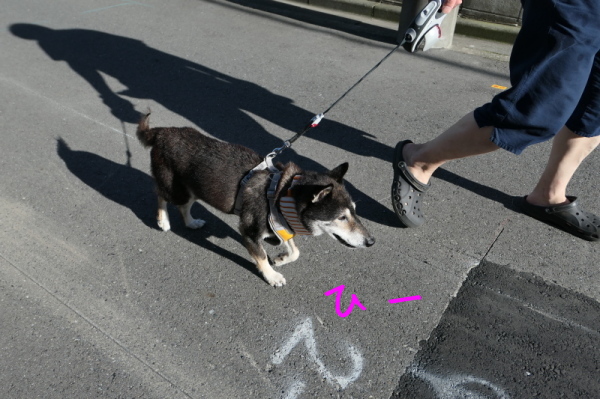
[
  {"x": 219, "y": 104},
  {"x": 510, "y": 202}
]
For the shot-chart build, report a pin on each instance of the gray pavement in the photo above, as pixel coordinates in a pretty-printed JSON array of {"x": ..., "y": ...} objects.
[{"x": 96, "y": 302}]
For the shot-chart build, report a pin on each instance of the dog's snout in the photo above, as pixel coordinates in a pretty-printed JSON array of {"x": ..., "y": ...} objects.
[{"x": 370, "y": 241}]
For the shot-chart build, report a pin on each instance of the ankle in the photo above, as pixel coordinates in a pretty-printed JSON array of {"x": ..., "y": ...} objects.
[
  {"x": 546, "y": 199},
  {"x": 422, "y": 171}
]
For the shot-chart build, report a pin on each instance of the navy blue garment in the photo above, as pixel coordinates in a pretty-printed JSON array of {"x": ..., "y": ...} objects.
[{"x": 554, "y": 73}]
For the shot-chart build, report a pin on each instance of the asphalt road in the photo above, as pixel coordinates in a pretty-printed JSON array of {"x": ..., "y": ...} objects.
[{"x": 96, "y": 302}]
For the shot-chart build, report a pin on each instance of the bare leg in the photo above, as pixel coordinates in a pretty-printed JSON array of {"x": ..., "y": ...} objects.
[
  {"x": 463, "y": 139},
  {"x": 568, "y": 151}
]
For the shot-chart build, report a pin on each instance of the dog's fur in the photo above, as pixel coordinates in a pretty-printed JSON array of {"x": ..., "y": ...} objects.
[{"x": 188, "y": 166}]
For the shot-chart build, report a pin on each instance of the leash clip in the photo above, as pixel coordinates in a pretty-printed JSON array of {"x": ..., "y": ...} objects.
[
  {"x": 314, "y": 122},
  {"x": 279, "y": 150}
]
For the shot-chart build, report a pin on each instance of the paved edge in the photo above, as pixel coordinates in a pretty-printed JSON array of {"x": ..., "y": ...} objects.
[
  {"x": 497, "y": 312},
  {"x": 391, "y": 13}
]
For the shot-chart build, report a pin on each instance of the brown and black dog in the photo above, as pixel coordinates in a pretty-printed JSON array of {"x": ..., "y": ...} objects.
[{"x": 188, "y": 166}]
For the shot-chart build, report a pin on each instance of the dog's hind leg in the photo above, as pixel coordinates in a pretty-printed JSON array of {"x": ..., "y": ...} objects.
[
  {"x": 163, "y": 215},
  {"x": 291, "y": 255},
  {"x": 190, "y": 222},
  {"x": 262, "y": 263}
]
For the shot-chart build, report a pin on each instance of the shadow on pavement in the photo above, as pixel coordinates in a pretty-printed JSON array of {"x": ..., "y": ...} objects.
[
  {"x": 219, "y": 104},
  {"x": 133, "y": 189},
  {"x": 321, "y": 19},
  {"x": 509, "y": 201}
]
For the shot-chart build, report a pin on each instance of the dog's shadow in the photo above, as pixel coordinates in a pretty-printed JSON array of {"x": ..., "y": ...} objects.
[{"x": 133, "y": 189}]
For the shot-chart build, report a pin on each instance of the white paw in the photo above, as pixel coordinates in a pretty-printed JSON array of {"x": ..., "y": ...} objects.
[
  {"x": 281, "y": 260},
  {"x": 275, "y": 279},
  {"x": 164, "y": 225},
  {"x": 196, "y": 224}
]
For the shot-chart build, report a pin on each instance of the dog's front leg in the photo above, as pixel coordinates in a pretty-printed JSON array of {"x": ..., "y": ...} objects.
[
  {"x": 291, "y": 255},
  {"x": 190, "y": 222},
  {"x": 259, "y": 255}
]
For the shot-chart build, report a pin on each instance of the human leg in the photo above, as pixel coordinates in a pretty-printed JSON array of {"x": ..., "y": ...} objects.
[
  {"x": 549, "y": 201},
  {"x": 568, "y": 151},
  {"x": 415, "y": 163},
  {"x": 463, "y": 139},
  {"x": 575, "y": 141},
  {"x": 547, "y": 86}
]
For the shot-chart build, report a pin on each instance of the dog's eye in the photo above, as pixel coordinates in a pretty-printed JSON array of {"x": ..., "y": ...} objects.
[{"x": 342, "y": 218}]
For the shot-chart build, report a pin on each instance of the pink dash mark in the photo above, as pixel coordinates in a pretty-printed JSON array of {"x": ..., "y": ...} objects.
[
  {"x": 338, "y": 291},
  {"x": 406, "y": 299}
]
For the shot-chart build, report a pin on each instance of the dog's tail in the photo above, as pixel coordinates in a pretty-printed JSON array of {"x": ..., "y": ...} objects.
[{"x": 145, "y": 135}]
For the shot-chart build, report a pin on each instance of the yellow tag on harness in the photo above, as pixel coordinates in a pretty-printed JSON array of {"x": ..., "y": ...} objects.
[{"x": 284, "y": 234}]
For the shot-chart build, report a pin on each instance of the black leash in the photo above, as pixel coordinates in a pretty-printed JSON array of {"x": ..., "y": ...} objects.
[
  {"x": 314, "y": 122},
  {"x": 267, "y": 163},
  {"x": 424, "y": 29},
  {"x": 426, "y": 21}
]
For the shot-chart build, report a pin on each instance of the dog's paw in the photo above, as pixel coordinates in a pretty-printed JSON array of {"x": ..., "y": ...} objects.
[
  {"x": 282, "y": 259},
  {"x": 286, "y": 257},
  {"x": 164, "y": 225},
  {"x": 275, "y": 279},
  {"x": 195, "y": 224}
]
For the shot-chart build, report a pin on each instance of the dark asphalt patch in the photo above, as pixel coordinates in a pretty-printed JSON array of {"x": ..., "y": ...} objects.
[{"x": 509, "y": 335}]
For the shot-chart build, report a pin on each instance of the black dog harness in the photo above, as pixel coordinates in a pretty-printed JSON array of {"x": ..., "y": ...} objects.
[{"x": 284, "y": 222}]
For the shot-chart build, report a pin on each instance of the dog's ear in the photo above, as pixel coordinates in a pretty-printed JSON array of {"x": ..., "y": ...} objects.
[
  {"x": 338, "y": 173},
  {"x": 321, "y": 193}
]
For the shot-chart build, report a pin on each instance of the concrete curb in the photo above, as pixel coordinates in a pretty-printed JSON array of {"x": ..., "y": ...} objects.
[
  {"x": 487, "y": 30},
  {"x": 391, "y": 13}
]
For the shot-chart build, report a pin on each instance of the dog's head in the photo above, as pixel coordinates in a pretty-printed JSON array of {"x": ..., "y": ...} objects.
[{"x": 324, "y": 206}]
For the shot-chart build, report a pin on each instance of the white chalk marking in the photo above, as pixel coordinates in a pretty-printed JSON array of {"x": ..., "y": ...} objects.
[
  {"x": 295, "y": 390},
  {"x": 304, "y": 332},
  {"x": 453, "y": 386}
]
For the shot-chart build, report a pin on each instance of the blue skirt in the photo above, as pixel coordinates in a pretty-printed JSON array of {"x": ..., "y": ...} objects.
[{"x": 554, "y": 73}]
